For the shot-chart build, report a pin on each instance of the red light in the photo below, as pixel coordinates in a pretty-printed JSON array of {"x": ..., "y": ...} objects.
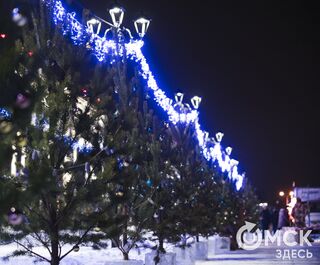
[
  {"x": 3, "y": 36},
  {"x": 30, "y": 53}
]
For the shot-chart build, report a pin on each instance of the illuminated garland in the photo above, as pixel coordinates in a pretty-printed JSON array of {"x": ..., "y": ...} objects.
[{"x": 177, "y": 113}]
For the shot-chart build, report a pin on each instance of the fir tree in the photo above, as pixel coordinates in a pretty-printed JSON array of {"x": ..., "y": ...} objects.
[
  {"x": 77, "y": 132},
  {"x": 90, "y": 159}
]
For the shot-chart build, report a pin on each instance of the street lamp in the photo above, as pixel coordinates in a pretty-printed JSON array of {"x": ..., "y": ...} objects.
[
  {"x": 281, "y": 193},
  {"x": 117, "y": 14},
  {"x": 219, "y": 136},
  {"x": 195, "y": 101},
  {"x": 179, "y": 97},
  {"x": 229, "y": 151},
  {"x": 94, "y": 26},
  {"x": 142, "y": 24},
  {"x": 117, "y": 30}
]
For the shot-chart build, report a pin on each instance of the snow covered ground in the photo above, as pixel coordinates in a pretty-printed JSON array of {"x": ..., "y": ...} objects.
[{"x": 86, "y": 255}]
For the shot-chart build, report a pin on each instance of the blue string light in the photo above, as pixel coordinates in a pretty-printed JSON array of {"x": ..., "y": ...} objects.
[
  {"x": 104, "y": 48},
  {"x": 80, "y": 145}
]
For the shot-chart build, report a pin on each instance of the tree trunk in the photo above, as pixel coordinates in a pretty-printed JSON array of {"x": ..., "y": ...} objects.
[
  {"x": 54, "y": 235},
  {"x": 197, "y": 238},
  {"x": 125, "y": 235},
  {"x": 55, "y": 259},
  {"x": 125, "y": 255},
  {"x": 125, "y": 227},
  {"x": 161, "y": 247}
]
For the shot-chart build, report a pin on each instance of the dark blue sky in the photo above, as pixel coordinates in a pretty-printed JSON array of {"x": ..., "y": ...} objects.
[{"x": 256, "y": 65}]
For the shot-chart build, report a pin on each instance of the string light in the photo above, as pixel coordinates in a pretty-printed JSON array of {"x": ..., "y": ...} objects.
[{"x": 104, "y": 48}]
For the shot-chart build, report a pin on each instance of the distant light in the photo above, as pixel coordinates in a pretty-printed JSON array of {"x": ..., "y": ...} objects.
[{"x": 281, "y": 193}]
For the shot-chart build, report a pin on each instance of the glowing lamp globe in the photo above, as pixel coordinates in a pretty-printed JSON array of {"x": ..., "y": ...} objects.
[
  {"x": 142, "y": 24},
  {"x": 228, "y": 151},
  {"x": 219, "y": 137},
  {"x": 179, "y": 97},
  {"x": 195, "y": 101},
  {"x": 117, "y": 15},
  {"x": 281, "y": 193},
  {"x": 94, "y": 26}
]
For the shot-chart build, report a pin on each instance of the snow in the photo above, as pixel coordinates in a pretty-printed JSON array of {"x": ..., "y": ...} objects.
[{"x": 86, "y": 255}]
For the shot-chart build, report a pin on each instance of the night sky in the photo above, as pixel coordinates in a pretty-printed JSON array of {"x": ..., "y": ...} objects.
[{"x": 256, "y": 66}]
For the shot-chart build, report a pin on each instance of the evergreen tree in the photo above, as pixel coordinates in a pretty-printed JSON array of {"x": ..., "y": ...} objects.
[
  {"x": 88, "y": 157},
  {"x": 162, "y": 176},
  {"x": 128, "y": 131},
  {"x": 71, "y": 161},
  {"x": 196, "y": 189}
]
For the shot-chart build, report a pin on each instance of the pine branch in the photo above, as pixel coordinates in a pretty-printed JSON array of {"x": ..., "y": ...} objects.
[
  {"x": 120, "y": 247},
  {"x": 45, "y": 244},
  {"x": 30, "y": 251},
  {"x": 78, "y": 243},
  {"x": 38, "y": 214}
]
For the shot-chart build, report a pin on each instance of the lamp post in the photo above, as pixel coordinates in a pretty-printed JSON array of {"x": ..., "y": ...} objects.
[
  {"x": 94, "y": 26},
  {"x": 142, "y": 24},
  {"x": 117, "y": 15},
  {"x": 219, "y": 137},
  {"x": 120, "y": 33}
]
